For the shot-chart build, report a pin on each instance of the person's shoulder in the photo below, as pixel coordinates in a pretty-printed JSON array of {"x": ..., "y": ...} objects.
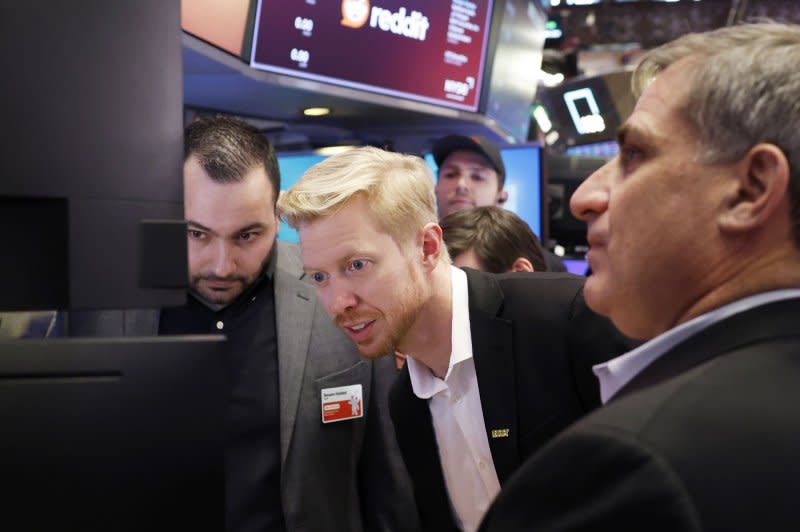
[
  {"x": 540, "y": 278},
  {"x": 288, "y": 254},
  {"x": 672, "y": 402},
  {"x": 540, "y": 287}
]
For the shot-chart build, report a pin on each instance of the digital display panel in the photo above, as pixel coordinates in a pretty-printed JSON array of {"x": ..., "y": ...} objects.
[
  {"x": 583, "y": 111},
  {"x": 511, "y": 89},
  {"x": 432, "y": 52},
  {"x": 523, "y": 182}
]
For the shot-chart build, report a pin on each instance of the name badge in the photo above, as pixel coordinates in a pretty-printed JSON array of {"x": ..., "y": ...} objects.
[{"x": 342, "y": 403}]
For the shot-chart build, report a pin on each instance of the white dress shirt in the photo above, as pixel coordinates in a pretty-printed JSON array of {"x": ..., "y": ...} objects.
[
  {"x": 618, "y": 372},
  {"x": 455, "y": 405}
]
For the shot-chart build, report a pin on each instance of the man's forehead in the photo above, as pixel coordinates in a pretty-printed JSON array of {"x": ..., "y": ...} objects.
[
  {"x": 670, "y": 87},
  {"x": 469, "y": 157}
]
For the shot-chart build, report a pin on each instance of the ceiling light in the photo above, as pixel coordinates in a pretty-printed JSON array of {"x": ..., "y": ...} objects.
[
  {"x": 333, "y": 150},
  {"x": 316, "y": 111}
]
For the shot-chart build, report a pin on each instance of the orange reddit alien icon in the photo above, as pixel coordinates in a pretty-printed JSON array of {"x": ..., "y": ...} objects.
[{"x": 355, "y": 13}]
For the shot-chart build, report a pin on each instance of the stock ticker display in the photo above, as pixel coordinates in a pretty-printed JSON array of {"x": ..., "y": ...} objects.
[{"x": 414, "y": 49}]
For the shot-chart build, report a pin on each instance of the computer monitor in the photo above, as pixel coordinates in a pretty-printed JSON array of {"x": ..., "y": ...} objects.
[
  {"x": 121, "y": 434},
  {"x": 90, "y": 163},
  {"x": 565, "y": 175}
]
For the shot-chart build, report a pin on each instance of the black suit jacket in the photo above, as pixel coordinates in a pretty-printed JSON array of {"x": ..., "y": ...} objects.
[
  {"x": 705, "y": 438},
  {"x": 534, "y": 342}
]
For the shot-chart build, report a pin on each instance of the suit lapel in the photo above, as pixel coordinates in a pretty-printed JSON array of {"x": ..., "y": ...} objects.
[
  {"x": 417, "y": 440},
  {"x": 294, "y": 314},
  {"x": 492, "y": 351},
  {"x": 765, "y": 322}
]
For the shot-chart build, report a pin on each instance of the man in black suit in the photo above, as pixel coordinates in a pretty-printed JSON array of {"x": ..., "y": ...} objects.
[
  {"x": 695, "y": 243},
  {"x": 496, "y": 364}
]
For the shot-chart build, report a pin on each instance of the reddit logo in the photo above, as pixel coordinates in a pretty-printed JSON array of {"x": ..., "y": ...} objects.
[{"x": 355, "y": 13}]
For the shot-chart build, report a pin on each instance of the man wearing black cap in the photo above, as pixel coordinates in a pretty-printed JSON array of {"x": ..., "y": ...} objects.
[{"x": 471, "y": 173}]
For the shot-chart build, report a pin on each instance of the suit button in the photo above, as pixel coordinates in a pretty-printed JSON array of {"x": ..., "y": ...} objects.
[{"x": 220, "y": 325}]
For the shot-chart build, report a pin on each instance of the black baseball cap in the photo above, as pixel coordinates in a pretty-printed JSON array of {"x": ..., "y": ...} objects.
[{"x": 443, "y": 147}]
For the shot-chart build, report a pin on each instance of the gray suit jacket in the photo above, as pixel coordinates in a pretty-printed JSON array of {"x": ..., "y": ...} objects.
[{"x": 343, "y": 476}]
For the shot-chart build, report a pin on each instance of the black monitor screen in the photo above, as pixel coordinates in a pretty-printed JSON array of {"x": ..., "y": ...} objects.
[
  {"x": 583, "y": 111},
  {"x": 565, "y": 175},
  {"x": 426, "y": 51},
  {"x": 113, "y": 434},
  {"x": 92, "y": 146}
]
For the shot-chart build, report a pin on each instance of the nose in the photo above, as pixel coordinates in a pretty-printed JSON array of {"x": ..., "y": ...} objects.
[
  {"x": 462, "y": 182},
  {"x": 224, "y": 263},
  {"x": 590, "y": 199},
  {"x": 338, "y": 298}
]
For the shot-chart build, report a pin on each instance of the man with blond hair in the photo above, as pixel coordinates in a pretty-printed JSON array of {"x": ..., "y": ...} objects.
[
  {"x": 294, "y": 462},
  {"x": 695, "y": 244},
  {"x": 496, "y": 364}
]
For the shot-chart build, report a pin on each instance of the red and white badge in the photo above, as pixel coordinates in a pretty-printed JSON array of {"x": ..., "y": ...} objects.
[{"x": 342, "y": 403}]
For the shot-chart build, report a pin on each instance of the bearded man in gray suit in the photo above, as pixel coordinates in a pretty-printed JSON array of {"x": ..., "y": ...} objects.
[{"x": 309, "y": 443}]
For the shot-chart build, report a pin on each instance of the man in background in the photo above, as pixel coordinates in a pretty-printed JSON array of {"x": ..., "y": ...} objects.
[
  {"x": 471, "y": 173},
  {"x": 496, "y": 364},
  {"x": 492, "y": 239},
  {"x": 694, "y": 231},
  {"x": 288, "y": 464}
]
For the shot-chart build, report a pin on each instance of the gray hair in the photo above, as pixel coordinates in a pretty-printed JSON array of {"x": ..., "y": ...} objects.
[{"x": 744, "y": 90}]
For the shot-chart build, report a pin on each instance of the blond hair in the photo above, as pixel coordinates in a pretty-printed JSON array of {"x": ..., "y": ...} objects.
[{"x": 399, "y": 190}]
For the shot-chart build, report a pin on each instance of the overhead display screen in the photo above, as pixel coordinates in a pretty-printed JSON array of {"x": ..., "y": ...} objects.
[{"x": 432, "y": 52}]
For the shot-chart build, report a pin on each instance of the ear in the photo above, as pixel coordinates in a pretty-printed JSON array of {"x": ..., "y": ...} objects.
[
  {"x": 502, "y": 197},
  {"x": 761, "y": 187},
  {"x": 521, "y": 265},
  {"x": 432, "y": 243}
]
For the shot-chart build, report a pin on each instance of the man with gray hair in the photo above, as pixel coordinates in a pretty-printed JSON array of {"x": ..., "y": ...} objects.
[
  {"x": 694, "y": 231},
  {"x": 494, "y": 364}
]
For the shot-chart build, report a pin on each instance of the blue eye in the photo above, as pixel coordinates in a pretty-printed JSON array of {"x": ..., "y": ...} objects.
[
  {"x": 318, "y": 277},
  {"x": 357, "y": 264}
]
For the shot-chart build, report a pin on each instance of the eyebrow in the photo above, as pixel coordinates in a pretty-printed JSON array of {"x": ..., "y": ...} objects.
[
  {"x": 246, "y": 228},
  {"x": 644, "y": 134},
  {"x": 346, "y": 259}
]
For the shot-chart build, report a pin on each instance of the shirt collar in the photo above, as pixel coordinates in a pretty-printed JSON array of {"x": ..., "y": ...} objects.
[
  {"x": 618, "y": 372},
  {"x": 423, "y": 382}
]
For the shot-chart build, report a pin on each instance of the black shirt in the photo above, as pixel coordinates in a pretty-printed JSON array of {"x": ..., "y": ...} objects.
[{"x": 253, "y": 453}]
